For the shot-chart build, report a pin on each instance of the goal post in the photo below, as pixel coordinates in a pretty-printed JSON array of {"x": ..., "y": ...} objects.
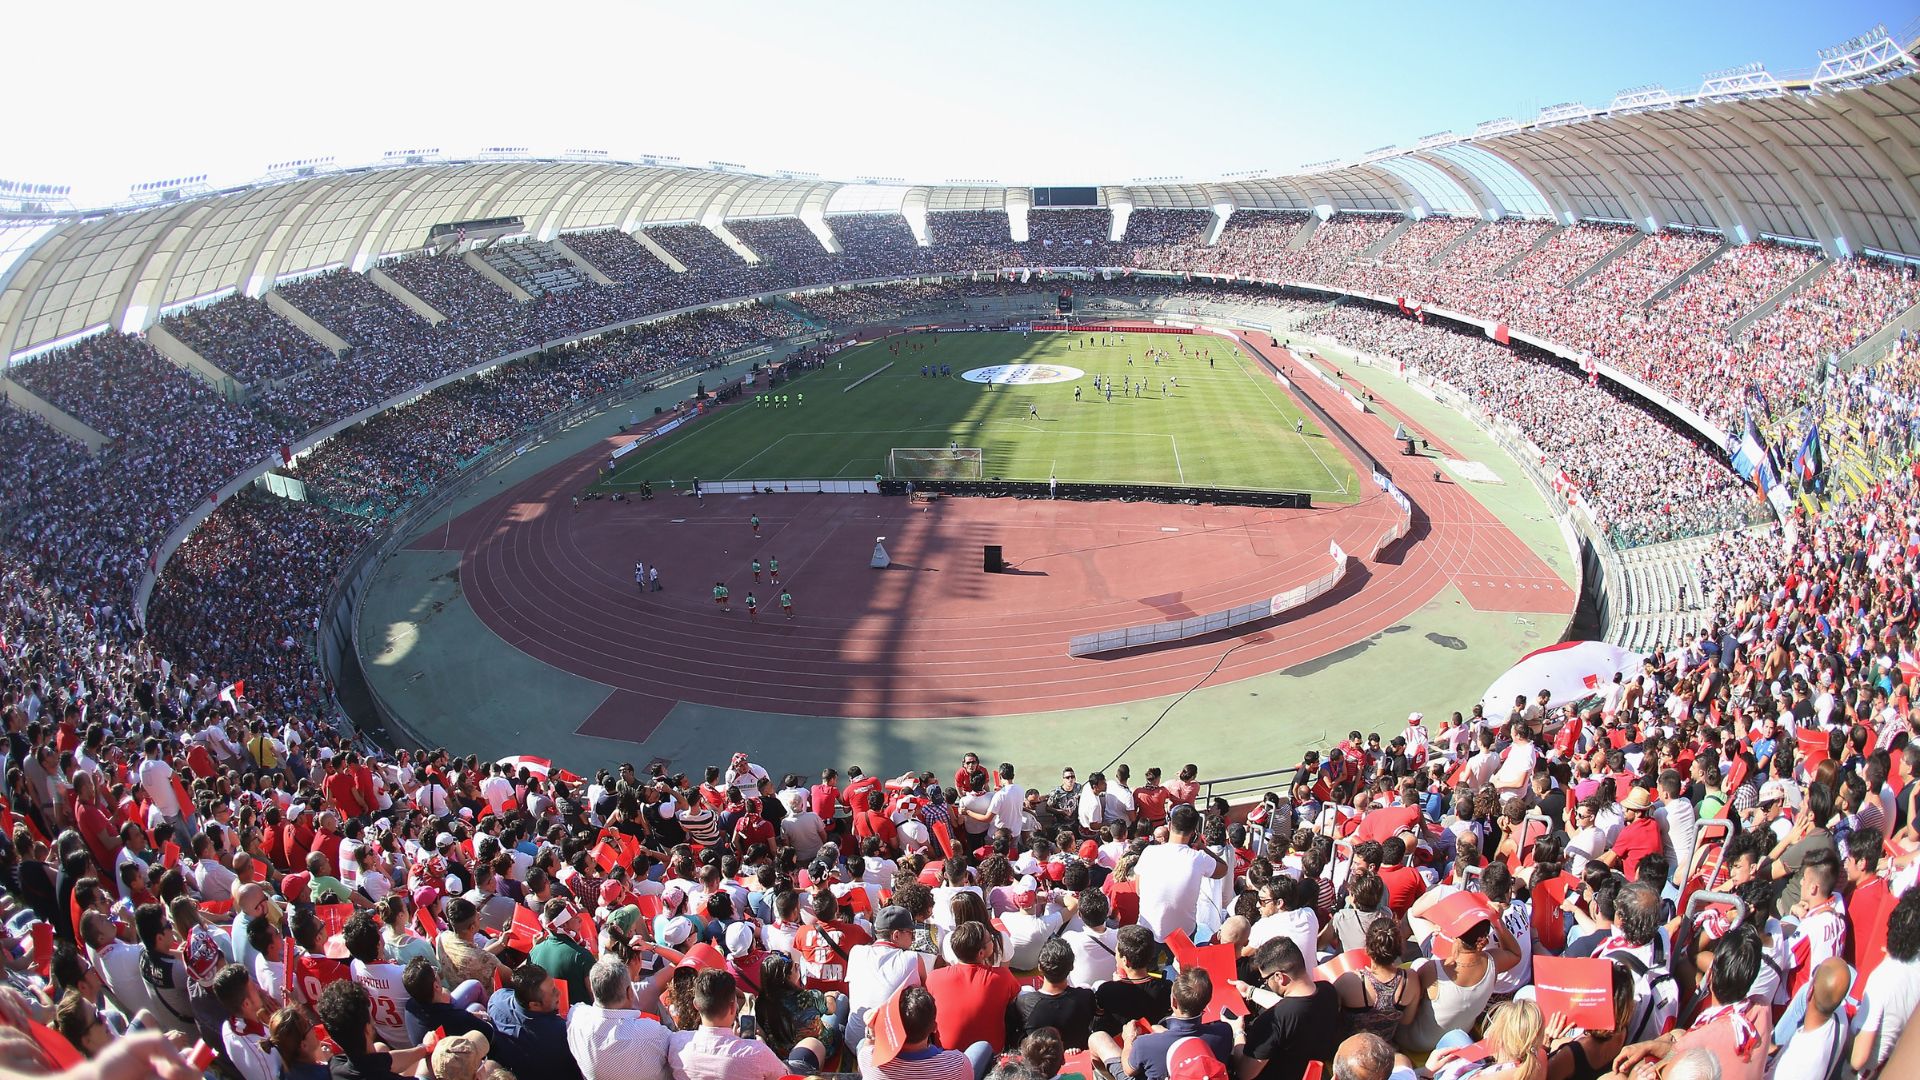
[{"x": 936, "y": 463}]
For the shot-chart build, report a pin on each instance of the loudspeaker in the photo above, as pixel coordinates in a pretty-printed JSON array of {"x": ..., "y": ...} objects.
[{"x": 996, "y": 562}]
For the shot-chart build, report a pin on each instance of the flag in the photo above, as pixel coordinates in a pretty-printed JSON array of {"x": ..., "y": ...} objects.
[
  {"x": 1810, "y": 462},
  {"x": 1749, "y": 455},
  {"x": 286, "y": 454},
  {"x": 1402, "y": 301},
  {"x": 1592, "y": 368},
  {"x": 1498, "y": 332},
  {"x": 234, "y": 693}
]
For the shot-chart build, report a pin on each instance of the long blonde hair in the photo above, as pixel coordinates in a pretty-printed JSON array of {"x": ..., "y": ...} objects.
[{"x": 1515, "y": 1030}]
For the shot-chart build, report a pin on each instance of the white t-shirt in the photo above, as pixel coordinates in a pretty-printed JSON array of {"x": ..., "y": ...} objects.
[
  {"x": 1170, "y": 876},
  {"x": 1007, "y": 806},
  {"x": 1811, "y": 1053},
  {"x": 1094, "y": 955},
  {"x": 874, "y": 972},
  {"x": 389, "y": 1000},
  {"x": 1893, "y": 991},
  {"x": 943, "y": 904},
  {"x": 1300, "y": 924},
  {"x": 156, "y": 777},
  {"x": 271, "y": 975}
]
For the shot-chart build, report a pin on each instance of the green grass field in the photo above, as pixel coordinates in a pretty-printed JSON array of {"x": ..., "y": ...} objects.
[{"x": 1228, "y": 425}]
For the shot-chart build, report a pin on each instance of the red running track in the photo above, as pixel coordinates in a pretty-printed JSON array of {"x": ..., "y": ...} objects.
[{"x": 934, "y": 636}]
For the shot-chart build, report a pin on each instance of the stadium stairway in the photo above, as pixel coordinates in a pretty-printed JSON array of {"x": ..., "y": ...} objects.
[
  {"x": 1765, "y": 308},
  {"x": 1659, "y": 595},
  {"x": 1622, "y": 247},
  {"x": 1686, "y": 275},
  {"x": 1506, "y": 268},
  {"x": 797, "y": 312},
  {"x": 1447, "y": 248}
]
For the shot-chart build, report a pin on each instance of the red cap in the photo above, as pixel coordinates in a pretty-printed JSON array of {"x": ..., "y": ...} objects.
[
  {"x": 1089, "y": 850},
  {"x": 296, "y": 886},
  {"x": 1056, "y": 871},
  {"x": 1190, "y": 1059},
  {"x": 704, "y": 955}
]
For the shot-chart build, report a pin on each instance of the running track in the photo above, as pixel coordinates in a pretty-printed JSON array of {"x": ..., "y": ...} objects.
[{"x": 934, "y": 636}]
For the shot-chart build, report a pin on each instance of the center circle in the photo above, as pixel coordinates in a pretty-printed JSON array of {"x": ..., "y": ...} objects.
[{"x": 1023, "y": 374}]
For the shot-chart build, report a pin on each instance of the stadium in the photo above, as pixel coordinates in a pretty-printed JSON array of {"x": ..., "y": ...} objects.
[{"x": 479, "y": 505}]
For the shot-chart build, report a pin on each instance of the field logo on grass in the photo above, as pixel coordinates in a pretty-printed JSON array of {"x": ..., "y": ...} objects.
[{"x": 1023, "y": 374}]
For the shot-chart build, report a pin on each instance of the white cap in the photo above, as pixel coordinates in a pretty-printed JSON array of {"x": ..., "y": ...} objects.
[{"x": 1415, "y": 717}]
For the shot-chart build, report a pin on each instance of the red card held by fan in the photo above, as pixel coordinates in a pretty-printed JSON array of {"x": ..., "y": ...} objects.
[
  {"x": 58, "y": 1049},
  {"x": 1351, "y": 960},
  {"x": 43, "y": 948},
  {"x": 1581, "y": 988},
  {"x": 1218, "y": 961},
  {"x": 526, "y": 929}
]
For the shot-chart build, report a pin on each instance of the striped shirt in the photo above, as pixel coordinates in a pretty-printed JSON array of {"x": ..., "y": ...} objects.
[
  {"x": 709, "y": 1053},
  {"x": 932, "y": 1063}
]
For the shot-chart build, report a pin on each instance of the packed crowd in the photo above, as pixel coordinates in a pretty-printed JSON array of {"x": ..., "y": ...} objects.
[
  {"x": 1645, "y": 480},
  {"x": 876, "y": 245},
  {"x": 1072, "y": 238},
  {"x": 962, "y": 240},
  {"x": 244, "y": 338},
  {"x": 1167, "y": 239},
  {"x": 215, "y": 862},
  {"x": 1416, "y": 248},
  {"x": 1703, "y": 869}
]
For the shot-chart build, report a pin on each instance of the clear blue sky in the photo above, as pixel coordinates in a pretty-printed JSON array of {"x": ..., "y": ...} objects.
[{"x": 1016, "y": 92}]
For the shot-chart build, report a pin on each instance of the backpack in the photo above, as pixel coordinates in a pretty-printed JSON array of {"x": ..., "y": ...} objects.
[{"x": 1656, "y": 995}]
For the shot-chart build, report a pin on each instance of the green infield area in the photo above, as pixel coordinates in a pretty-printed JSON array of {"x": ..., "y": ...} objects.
[{"x": 1212, "y": 420}]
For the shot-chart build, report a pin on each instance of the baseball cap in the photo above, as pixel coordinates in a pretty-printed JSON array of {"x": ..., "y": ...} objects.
[
  {"x": 704, "y": 955},
  {"x": 1773, "y": 791},
  {"x": 739, "y": 939},
  {"x": 1089, "y": 850},
  {"x": 296, "y": 886},
  {"x": 677, "y": 931},
  {"x": 1190, "y": 1059},
  {"x": 1416, "y": 717},
  {"x": 891, "y": 918},
  {"x": 445, "y": 839},
  {"x": 424, "y": 896},
  {"x": 458, "y": 1057},
  {"x": 1024, "y": 891}
]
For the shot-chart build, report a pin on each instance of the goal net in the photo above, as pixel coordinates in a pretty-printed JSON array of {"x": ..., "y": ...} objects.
[{"x": 933, "y": 463}]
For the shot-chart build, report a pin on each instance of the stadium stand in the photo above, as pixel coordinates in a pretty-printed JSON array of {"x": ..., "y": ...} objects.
[
  {"x": 245, "y": 339},
  {"x": 535, "y": 267}
]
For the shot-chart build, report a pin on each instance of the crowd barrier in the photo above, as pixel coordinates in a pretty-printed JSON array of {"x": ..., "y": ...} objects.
[
  {"x": 1146, "y": 635},
  {"x": 784, "y": 487},
  {"x": 1402, "y": 524},
  {"x": 1042, "y": 489}
]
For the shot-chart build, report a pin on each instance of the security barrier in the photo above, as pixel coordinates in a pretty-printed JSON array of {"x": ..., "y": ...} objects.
[{"x": 1163, "y": 633}]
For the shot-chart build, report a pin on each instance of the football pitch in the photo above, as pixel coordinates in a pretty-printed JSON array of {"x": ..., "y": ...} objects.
[{"x": 1218, "y": 422}]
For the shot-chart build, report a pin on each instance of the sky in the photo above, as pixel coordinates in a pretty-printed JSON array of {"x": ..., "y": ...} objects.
[{"x": 112, "y": 94}]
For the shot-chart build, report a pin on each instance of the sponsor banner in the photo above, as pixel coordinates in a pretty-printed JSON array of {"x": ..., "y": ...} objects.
[{"x": 1023, "y": 374}]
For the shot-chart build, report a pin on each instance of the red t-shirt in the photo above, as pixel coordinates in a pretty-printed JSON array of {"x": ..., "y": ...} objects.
[
  {"x": 972, "y": 1001},
  {"x": 312, "y": 974},
  {"x": 1867, "y": 910},
  {"x": 1123, "y": 902},
  {"x": 1151, "y": 802},
  {"x": 824, "y": 965},
  {"x": 1637, "y": 840},
  {"x": 1382, "y": 824},
  {"x": 825, "y": 798},
  {"x": 363, "y": 784},
  {"x": 1404, "y": 886},
  {"x": 859, "y": 794},
  {"x": 344, "y": 793}
]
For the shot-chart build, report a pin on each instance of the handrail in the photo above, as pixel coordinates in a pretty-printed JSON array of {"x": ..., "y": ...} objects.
[{"x": 1213, "y": 788}]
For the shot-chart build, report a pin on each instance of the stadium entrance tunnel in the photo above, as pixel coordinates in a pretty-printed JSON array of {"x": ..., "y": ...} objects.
[{"x": 1166, "y": 493}]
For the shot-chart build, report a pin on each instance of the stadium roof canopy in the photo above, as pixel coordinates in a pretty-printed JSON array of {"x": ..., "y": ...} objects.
[{"x": 1832, "y": 157}]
